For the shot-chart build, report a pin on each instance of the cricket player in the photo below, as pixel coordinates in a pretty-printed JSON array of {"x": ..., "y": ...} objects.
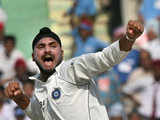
[{"x": 64, "y": 90}]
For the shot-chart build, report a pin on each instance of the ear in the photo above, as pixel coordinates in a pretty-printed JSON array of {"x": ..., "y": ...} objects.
[{"x": 33, "y": 57}]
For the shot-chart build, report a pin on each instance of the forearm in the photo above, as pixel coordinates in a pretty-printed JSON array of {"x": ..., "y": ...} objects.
[
  {"x": 22, "y": 101},
  {"x": 96, "y": 63}
]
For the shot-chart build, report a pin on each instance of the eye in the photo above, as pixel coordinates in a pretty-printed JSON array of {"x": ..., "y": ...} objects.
[
  {"x": 40, "y": 46},
  {"x": 53, "y": 45}
]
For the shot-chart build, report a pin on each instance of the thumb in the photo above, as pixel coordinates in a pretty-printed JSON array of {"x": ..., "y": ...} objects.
[{"x": 17, "y": 92}]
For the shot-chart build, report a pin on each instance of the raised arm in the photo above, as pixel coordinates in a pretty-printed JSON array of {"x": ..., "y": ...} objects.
[{"x": 87, "y": 66}]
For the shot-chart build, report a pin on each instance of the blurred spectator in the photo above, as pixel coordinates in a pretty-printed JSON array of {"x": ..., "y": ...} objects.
[
  {"x": 153, "y": 44},
  {"x": 136, "y": 83},
  {"x": 109, "y": 89},
  {"x": 22, "y": 72},
  {"x": 85, "y": 39},
  {"x": 152, "y": 29},
  {"x": 8, "y": 58},
  {"x": 134, "y": 116},
  {"x": 28, "y": 87},
  {"x": 85, "y": 7},
  {"x": 6, "y": 111},
  {"x": 150, "y": 96},
  {"x": 19, "y": 114},
  {"x": 81, "y": 9},
  {"x": 3, "y": 19},
  {"x": 149, "y": 11},
  {"x": 1, "y": 36}
]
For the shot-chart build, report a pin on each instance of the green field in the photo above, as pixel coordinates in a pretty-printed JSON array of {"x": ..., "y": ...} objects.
[{"x": 25, "y": 18}]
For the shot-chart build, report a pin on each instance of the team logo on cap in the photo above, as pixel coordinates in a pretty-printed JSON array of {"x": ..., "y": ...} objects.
[{"x": 56, "y": 94}]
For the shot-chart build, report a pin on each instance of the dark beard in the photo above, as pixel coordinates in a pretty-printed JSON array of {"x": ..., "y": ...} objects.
[
  {"x": 44, "y": 71},
  {"x": 50, "y": 71}
]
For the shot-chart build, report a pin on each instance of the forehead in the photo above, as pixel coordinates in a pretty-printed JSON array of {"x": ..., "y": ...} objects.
[{"x": 46, "y": 40}]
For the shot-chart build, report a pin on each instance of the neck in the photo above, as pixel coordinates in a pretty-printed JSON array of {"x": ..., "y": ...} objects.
[{"x": 45, "y": 75}]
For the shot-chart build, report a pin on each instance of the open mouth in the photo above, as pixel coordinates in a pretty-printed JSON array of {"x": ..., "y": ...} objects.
[{"x": 48, "y": 60}]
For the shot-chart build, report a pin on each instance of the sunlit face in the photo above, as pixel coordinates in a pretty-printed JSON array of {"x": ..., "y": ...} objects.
[{"x": 47, "y": 54}]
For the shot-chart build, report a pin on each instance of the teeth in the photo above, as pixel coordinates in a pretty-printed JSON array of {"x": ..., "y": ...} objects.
[{"x": 47, "y": 56}]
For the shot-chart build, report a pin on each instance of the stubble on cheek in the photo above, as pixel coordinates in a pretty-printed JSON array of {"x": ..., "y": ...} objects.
[{"x": 37, "y": 61}]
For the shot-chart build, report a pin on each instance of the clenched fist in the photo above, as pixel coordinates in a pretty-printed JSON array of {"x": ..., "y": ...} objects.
[
  {"x": 134, "y": 30},
  {"x": 13, "y": 91}
]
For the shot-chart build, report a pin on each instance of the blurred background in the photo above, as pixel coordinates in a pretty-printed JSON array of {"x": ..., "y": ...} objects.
[{"x": 130, "y": 90}]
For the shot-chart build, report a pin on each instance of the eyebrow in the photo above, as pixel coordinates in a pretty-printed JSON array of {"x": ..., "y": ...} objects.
[{"x": 53, "y": 42}]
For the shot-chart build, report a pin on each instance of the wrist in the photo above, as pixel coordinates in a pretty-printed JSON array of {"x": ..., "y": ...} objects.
[
  {"x": 129, "y": 39},
  {"x": 125, "y": 45},
  {"x": 22, "y": 101}
]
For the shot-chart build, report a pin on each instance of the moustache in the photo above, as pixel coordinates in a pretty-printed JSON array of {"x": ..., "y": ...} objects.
[{"x": 48, "y": 56}]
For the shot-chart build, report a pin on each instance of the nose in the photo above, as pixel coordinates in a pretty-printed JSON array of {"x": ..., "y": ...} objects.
[{"x": 47, "y": 49}]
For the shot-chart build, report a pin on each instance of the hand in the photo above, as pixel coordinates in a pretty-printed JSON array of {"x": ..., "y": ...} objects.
[
  {"x": 134, "y": 29},
  {"x": 13, "y": 91}
]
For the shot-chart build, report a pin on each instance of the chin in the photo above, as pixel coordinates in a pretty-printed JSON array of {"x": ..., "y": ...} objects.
[{"x": 48, "y": 71}]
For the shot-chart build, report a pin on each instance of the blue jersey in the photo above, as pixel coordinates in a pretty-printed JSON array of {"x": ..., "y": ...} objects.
[
  {"x": 91, "y": 45},
  {"x": 127, "y": 65},
  {"x": 150, "y": 9},
  {"x": 108, "y": 86},
  {"x": 87, "y": 7}
]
